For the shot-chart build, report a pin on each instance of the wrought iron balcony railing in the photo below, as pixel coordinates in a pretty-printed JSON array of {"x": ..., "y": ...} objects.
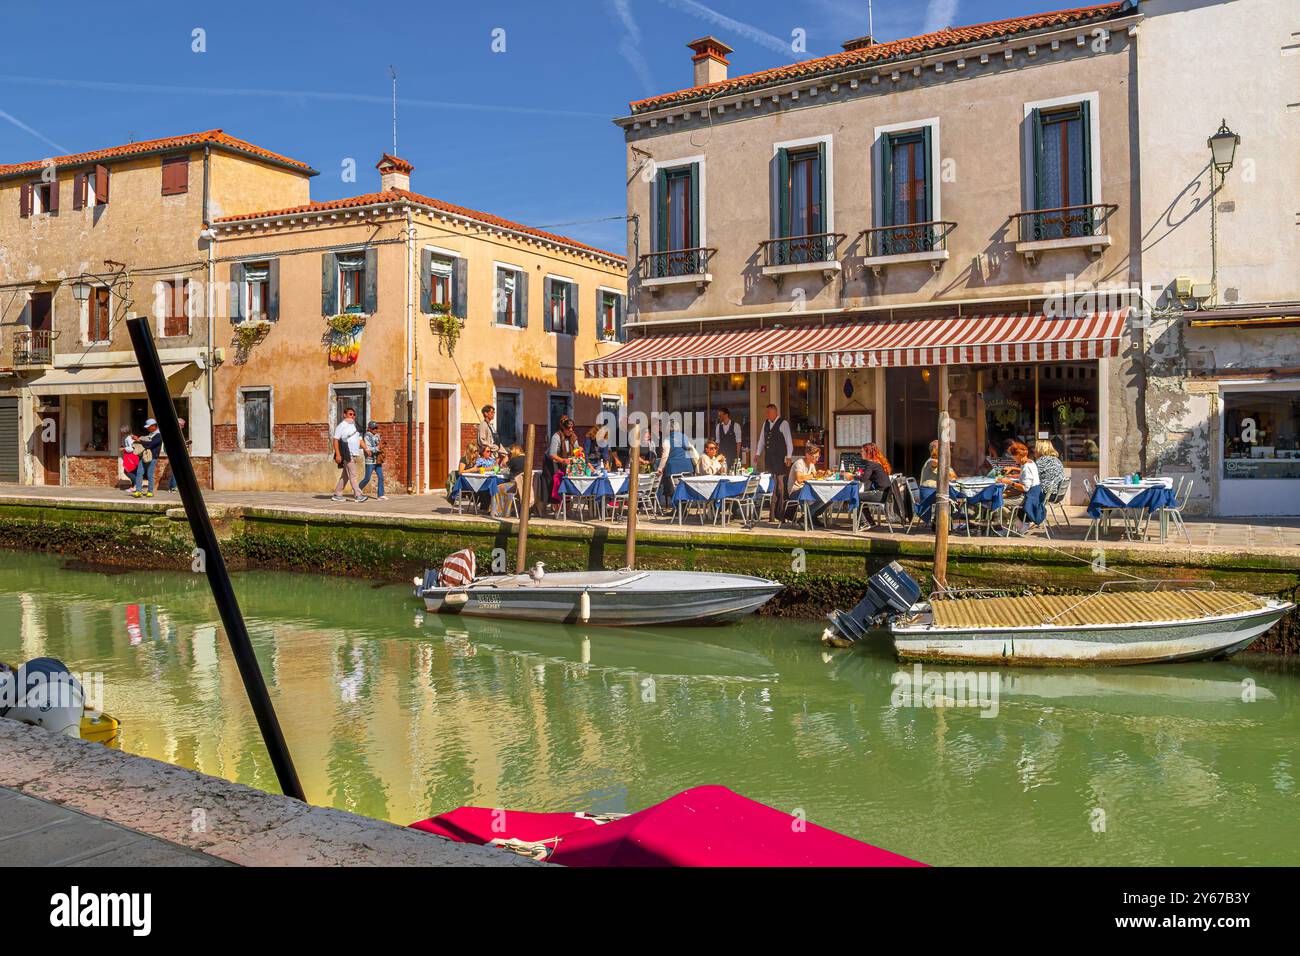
[
  {"x": 908, "y": 238},
  {"x": 802, "y": 250},
  {"x": 33, "y": 347},
  {"x": 676, "y": 263},
  {"x": 1064, "y": 222}
]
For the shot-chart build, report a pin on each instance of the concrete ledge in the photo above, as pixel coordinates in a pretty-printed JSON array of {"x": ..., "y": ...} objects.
[{"x": 213, "y": 816}]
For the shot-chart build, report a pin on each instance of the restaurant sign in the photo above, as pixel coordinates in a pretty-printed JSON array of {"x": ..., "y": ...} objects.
[{"x": 799, "y": 361}]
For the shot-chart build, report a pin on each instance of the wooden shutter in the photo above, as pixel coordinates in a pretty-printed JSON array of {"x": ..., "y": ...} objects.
[
  {"x": 927, "y": 164},
  {"x": 459, "y": 287},
  {"x": 79, "y": 191},
  {"x": 371, "y": 300},
  {"x": 695, "y": 205},
  {"x": 175, "y": 175},
  {"x": 101, "y": 185},
  {"x": 1036, "y": 132},
  {"x": 54, "y": 197},
  {"x": 236, "y": 291},
  {"x": 272, "y": 303},
  {"x": 25, "y": 200},
  {"x": 426, "y": 280},
  {"x": 886, "y": 180},
  {"x": 782, "y": 193},
  {"x": 571, "y": 309},
  {"x": 618, "y": 319},
  {"x": 521, "y": 297},
  {"x": 1085, "y": 140},
  {"x": 329, "y": 284},
  {"x": 661, "y": 211},
  {"x": 819, "y": 225}
]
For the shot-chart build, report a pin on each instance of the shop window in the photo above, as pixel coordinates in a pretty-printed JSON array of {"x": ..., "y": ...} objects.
[
  {"x": 804, "y": 403},
  {"x": 1020, "y": 402},
  {"x": 1261, "y": 435},
  {"x": 98, "y": 426}
]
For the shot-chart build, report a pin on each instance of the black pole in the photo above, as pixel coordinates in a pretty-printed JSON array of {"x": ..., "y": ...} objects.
[{"x": 155, "y": 384}]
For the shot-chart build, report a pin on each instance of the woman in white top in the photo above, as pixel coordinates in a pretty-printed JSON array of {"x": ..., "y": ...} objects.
[
  {"x": 1028, "y": 471},
  {"x": 711, "y": 463}
]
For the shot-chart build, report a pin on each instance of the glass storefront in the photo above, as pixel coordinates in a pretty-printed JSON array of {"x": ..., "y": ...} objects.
[
  {"x": 697, "y": 399},
  {"x": 1261, "y": 435}
]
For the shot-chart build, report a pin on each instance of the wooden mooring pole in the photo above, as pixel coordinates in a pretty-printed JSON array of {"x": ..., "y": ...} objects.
[
  {"x": 526, "y": 498},
  {"x": 633, "y": 483}
]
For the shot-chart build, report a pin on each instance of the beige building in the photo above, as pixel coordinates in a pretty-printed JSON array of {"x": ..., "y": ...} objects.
[
  {"x": 867, "y": 237},
  {"x": 87, "y": 240},
  {"x": 410, "y": 310}
]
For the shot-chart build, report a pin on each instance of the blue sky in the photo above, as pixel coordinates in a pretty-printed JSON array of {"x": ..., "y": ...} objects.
[{"x": 523, "y": 133}]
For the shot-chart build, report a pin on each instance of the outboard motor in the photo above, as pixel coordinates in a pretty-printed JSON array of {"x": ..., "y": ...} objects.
[
  {"x": 43, "y": 692},
  {"x": 889, "y": 591}
]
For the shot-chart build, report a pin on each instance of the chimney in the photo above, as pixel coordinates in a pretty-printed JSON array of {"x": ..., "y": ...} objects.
[
  {"x": 710, "y": 60},
  {"x": 394, "y": 173},
  {"x": 861, "y": 43}
]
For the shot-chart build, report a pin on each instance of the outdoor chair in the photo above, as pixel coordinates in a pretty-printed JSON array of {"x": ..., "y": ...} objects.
[
  {"x": 1182, "y": 493},
  {"x": 743, "y": 503},
  {"x": 871, "y": 509},
  {"x": 1057, "y": 501},
  {"x": 681, "y": 508},
  {"x": 913, "y": 499}
]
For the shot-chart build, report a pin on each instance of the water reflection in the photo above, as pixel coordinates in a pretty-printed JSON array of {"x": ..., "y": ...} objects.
[{"x": 400, "y": 715}]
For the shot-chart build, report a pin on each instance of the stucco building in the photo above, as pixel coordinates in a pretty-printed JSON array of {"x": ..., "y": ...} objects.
[
  {"x": 87, "y": 240},
  {"x": 415, "y": 312},
  {"x": 866, "y": 237}
]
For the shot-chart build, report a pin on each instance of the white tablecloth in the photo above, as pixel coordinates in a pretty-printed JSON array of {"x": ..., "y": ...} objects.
[
  {"x": 703, "y": 485},
  {"x": 476, "y": 482},
  {"x": 1126, "y": 491}
]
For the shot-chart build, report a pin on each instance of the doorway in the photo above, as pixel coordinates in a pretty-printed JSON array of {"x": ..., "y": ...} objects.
[
  {"x": 440, "y": 406},
  {"x": 50, "y": 424},
  {"x": 912, "y": 421}
]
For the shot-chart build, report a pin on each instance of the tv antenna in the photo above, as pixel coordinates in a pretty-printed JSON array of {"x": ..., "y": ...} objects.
[{"x": 393, "y": 73}]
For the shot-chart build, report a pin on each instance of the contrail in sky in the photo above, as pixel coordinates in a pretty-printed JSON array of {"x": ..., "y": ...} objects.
[
  {"x": 27, "y": 129},
  {"x": 761, "y": 37}
]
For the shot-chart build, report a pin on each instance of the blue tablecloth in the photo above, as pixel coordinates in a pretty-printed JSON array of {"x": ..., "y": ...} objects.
[
  {"x": 466, "y": 483},
  {"x": 989, "y": 496},
  {"x": 599, "y": 488},
  {"x": 1149, "y": 500},
  {"x": 726, "y": 488},
  {"x": 848, "y": 493}
]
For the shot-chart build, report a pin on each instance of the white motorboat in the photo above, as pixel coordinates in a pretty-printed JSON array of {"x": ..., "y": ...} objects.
[
  {"x": 609, "y": 598},
  {"x": 1139, "y": 622}
]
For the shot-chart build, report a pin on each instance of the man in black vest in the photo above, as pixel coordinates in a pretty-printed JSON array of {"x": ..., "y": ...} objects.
[
  {"x": 773, "y": 453},
  {"x": 728, "y": 436}
]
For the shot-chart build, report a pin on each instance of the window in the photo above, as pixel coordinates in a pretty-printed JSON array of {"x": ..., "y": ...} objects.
[
  {"x": 255, "y": 419},
  {"x": 802, "y": 187},
  {"x": 561, "y": 306},
  {"x": 609, "y": 326},
  {"x": 1062, "y": 171},
  {"x": 905, "y": 191},
  {"x": 678, "y": 208},
  {"x": 175, "y": 307},
  {"x": 352, "y": 280},
  {"x": 257, "y": 289},
  {"x": 182, "y": 407},
  {"x": 90, "y": 188},
  {"x": 509, "y": 297},
  {"x": 38, "y": 197},
  {"x": 440, "y": 284},
  {"x": 137, "y": 413},
  {"x": 98, "y": 426},
  {"x": 352, "y": 396},
  {"x": 175, "y": 175},
  {"x": 1261, "y": 434},
  {"x": 510, "y": 406},
  {"x": 99, "y": 315}
]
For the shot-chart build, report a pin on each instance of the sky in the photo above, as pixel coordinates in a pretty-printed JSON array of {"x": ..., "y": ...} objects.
[{"x": 503, "y": 105}]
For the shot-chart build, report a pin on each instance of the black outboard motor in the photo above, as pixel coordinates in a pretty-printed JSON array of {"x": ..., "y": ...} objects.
[{"x": 889, "y": 591}]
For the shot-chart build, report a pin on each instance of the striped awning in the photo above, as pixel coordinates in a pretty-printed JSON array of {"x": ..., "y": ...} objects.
[{"x": 945, "y": 340}]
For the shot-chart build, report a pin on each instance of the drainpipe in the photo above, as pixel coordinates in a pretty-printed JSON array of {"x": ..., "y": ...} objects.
[
  {"x": 212, "y": 307},
  {"x": 411, "y": 483}
]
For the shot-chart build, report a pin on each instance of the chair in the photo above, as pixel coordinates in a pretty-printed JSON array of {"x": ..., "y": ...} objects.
[
  {"x": 1057, "y": 501},
  {"x": 870, "y": 508},
  {"x": 681, "y": 507},
  {"x": 1016, "y": 509},
  {"x": 913, "y": 499},
  {"x": 1182, "y": 493},
  {"x": 743, "y": 503},
  {"x": 762, "y": 499},
  {"x": 647, "y": 502}
]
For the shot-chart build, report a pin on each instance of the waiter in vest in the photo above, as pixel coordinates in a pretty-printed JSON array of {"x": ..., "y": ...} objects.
[
  {"x": 774, "y": 452},
  {"x": 727, "y": 434}
]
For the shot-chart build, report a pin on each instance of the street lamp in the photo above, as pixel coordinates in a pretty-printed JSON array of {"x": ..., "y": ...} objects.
[
  {"x": 1223, "y": 146},
  {"x": 81, "y": 290}
]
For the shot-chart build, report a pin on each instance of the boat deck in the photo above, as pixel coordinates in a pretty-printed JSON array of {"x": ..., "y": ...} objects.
[{"x": 1099, "y": 608}]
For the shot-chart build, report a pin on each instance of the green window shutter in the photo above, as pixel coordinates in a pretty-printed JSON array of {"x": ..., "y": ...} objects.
[
  {"x": 782, "y": 193},
  {"x": 547, "y": 324},
  {"x": 372, "y": 281},
  {"x": 927, "y": 164},
  {"x": 460, "y": 288},
  {"x": 329, "y": 284},
  {"x": 822, "y": 212},
  {"x": 600, "y": 314},
  {"x": 272, "y": 289},
  {"x": 695, "y": 205},
  {"x": 236, "y": 291},
  {"x": 619, "y": 306},
  {"x": 1036, "y": 134},
  {"x": 426, "y": 280},
  {"x": 1085, "y": 139},
  {"x": 886, "y": 180},
  {"x": 571, "y": 299},
  {"x": 521, "y": 298},
  {"x": 661, "y": 211}
]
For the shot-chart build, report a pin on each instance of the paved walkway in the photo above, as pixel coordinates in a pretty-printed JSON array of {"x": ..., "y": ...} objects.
[
  {"x": 1228, "y": 534},
  {"x": 35, "y": 832}
]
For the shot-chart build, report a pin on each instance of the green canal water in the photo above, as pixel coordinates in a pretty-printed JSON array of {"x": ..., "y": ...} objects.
[{"x": 399, "y": 715}]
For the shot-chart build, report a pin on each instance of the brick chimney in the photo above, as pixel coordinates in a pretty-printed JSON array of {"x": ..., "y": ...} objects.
[
  {"x": 710, "y": 60},
  {"x": 860, "y": 43},
  {"x": 394, "y": 173}
]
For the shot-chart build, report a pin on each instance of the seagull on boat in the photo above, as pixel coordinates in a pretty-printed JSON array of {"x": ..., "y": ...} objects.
[{"x": 537, "y": 572}]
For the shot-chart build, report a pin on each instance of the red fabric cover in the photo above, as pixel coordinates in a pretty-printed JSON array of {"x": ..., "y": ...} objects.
[
  {"x": 703, "y": 826},
  {"x": 458, "y": 569}
]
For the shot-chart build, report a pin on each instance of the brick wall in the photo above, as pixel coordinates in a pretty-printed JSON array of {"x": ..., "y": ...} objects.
[
  {"x": 102, "y": 471},
  {"x": 313, "y": 438}
]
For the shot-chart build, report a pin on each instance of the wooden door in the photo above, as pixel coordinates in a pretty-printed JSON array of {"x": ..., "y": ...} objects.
[
  {"x": 50, "y": 449},
  {"x": 439, "y": 435}
]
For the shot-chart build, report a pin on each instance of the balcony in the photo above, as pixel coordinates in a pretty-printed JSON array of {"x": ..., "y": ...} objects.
[
  {"x": 33, "y": 348},
  {"x": 908, "y": 242},
  {"x": 1065, "y": 227},
  {"x": 676, "y": 267},
  {"x": 818, "y": 252}
]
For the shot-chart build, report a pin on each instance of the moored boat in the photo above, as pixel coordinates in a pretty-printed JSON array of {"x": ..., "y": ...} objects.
[{"x": 1139, "y": 622}]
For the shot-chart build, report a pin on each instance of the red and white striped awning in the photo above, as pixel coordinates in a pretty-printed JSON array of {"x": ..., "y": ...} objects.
[{"x": 946, "y": 340}]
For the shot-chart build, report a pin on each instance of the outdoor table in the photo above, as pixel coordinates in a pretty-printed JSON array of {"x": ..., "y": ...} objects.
[
  {"x": 1119, "y": 494},
  {"x": 712, "y": 489},
  {"x": 827, "y": 491},
  {"x": 473, "y": 483},
  {"x": 591, "y": 486},
  {"x": 982, "y": 492}
]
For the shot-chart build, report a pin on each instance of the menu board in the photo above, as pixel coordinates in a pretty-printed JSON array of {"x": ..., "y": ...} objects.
[{"x": 853, "y": 429}]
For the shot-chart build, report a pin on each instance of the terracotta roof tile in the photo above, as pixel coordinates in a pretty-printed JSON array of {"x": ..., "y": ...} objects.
[
  {"x": 212, "y": 137},
  {"x": 400, "y": 195},
  {"x": 947, "y": 37},
  {"x": 398, "y": 164}
]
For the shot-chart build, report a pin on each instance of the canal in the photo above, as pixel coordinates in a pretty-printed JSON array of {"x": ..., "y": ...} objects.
[{"x": 399, "y": 715}]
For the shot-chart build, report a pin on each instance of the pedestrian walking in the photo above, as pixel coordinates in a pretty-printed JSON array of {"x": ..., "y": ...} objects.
[
  {"x": 374, "y": 458},
  {"x": 347, "y": 449}
]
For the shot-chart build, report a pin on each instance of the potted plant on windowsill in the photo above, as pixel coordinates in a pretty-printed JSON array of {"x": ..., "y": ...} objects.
[
  {"x": 444, "y": 325},
  {"x": 249, "y": 332}
]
